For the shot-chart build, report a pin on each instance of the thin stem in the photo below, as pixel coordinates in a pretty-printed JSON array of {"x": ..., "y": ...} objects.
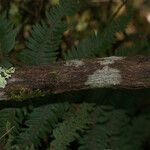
[
  {"x": 117, "y": 11},
  {"x": 7, "y": 132}
]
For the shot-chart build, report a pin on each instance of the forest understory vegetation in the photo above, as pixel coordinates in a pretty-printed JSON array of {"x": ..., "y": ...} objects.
[{"x": 43, "y": 32}]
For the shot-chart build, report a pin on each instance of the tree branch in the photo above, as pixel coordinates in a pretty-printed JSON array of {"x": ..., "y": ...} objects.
[{"x": 109, "y": 72}]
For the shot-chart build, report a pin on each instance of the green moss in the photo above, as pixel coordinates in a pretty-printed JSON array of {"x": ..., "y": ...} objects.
[
  {"x": 25, "y": 94},
  {"x": 53, "y": 73}
]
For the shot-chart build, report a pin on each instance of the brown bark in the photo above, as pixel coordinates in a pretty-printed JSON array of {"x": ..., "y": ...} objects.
[{"x": 109, "y": 72}]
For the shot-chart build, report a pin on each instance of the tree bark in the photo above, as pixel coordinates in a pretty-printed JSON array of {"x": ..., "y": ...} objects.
[{"x": 108, "y": 72}]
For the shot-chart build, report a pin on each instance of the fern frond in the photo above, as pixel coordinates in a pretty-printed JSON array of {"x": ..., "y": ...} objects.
[
  {"x": 43, "y": 45},
  {"x": 107, "y": 38},
  {"x": 65, "y": 8},
  {"x": 139, "y": 47},
  {"x": 85, "y": 49},
  {"x": 7, "y": 37},
  {"x": 40, "y": 123},
  {"x": 136, "y": 134},
  {"x": 98, "y": 44},
  {"x": 10, "y": 120},
  {"x": 114, "y": 129},
  {"x": 97, "y": 135},
  {"x": 75, "y": 122}
]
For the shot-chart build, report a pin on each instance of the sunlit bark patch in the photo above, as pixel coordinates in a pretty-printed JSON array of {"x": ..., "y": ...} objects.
[
  {"x": 75, "y": 63},
  {"x": 105, "y": 77},
  {"x": 109, "y": 60}
]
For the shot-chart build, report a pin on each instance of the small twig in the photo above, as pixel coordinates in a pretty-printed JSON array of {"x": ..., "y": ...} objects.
[
  {"x": 117, "y": 11},
  {"x": 7, "y": 132}
]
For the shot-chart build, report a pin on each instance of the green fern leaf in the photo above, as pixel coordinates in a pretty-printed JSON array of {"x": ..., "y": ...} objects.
[
  {"x": 85, "y": 49},
  {"x": 76, "y": 121},
  {"x": 10, "y": 120},
  {"x": 114, "y": 129},
  {"x": 139, "y": 47},
  {"x": 40, "y": 123},
  {"x": 106, "y": 123},
  {"x": 97, "y": 45},
  {"x": 43, "y": 45},
  {"x": 107, "y": 37},
  {"x": 7, "y": 38},
  {"x": 65, "y": 8}
]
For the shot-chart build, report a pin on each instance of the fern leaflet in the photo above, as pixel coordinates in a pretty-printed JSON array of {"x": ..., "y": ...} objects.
[
  {"x": 75, "y": 122},
  {"x": 40, "y": 123},
  {"x": 7, "y": 39}
]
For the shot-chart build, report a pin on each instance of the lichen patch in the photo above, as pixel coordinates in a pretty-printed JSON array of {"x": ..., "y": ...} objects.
[
  {"x": 105, "y": 77},
  {"x": 4, "y": 75},
  {"x": 109, "y": 60},
  {"x": 75, "y": 63}
]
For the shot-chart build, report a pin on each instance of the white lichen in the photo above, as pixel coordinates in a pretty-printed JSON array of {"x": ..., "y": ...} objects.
[
  {"x": 75, "y": 63},
  {"x": 109, "y": 60},
  {"x": 4, "y": 75},
  {"x": 105, "y": 77}
]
